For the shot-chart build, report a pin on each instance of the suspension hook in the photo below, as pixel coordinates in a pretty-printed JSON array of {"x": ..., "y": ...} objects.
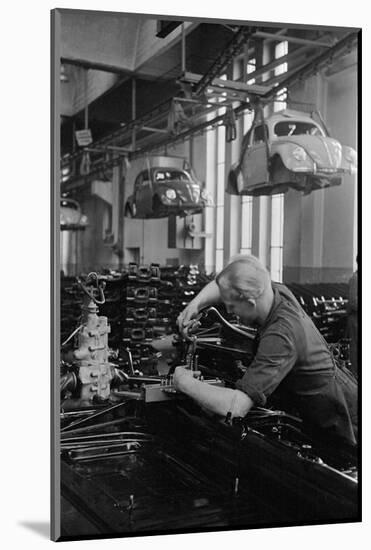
[{"x": 100, "y": 286}]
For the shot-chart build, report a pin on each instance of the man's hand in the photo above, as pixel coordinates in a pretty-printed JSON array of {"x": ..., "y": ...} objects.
[
  {"x": 182, "y": 378},
  {"x": 187, "y": 320}
]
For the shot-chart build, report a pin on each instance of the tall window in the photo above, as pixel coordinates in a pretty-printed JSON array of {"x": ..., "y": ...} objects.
[
  {"x": 246, "y": 201},
  {"x": 277, "y": 204},
  {"x": 281, "y": 50},
  {"x": 220, "y": 190}
]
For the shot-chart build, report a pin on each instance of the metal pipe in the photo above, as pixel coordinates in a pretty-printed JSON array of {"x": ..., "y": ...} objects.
[
  {"x": 101, "y": 443},
  {"x": 96, "y": 415},
  {"x": 183, "y": 49},
  {"x": 102, "y": 455},
  {"x": 86, "y": 107},
  {"x": 110, "y": 434},
  {"x": 133, "y": 109},
  {"x": 101, "y": 425},
  {"x": 150, "y": 129},
  {"x": 243, "y": 332},
  {"x": 97, "y": 66}
]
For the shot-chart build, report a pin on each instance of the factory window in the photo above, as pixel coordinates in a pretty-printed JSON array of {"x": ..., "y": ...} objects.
[
  {"x": 277, "y": 237},
  {"x": 220, "y": 190},
  {"x": 280, "y": 50},
  {"x": 211, "y": 187},
  {"x": 250, "y": 68},
  {"x": 246, "y": 201},
  {"x": 277, "y": 204}
]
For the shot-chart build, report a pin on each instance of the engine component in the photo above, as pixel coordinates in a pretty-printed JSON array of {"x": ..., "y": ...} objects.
[
  {"x": 94, "y": 370},
  {"x": 144, "y": 273}
]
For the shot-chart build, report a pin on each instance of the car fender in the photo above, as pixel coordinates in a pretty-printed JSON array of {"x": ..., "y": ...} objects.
[
  {"x": 285, "y": 151},
  {"x": 349, "y": 159}
]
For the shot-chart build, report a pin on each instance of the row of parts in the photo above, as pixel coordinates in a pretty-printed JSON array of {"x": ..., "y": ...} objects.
[{"x": 326, "y": 304}]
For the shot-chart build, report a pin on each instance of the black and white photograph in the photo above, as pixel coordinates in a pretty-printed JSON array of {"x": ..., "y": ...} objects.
[{"x": 205, "y": 344}]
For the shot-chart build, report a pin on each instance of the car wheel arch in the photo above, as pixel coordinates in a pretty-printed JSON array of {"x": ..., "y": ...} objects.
[
  {"x": 279, "y": 173},
  {"x": 276, "y": 161},
  {"x": 156, "y": 200}
]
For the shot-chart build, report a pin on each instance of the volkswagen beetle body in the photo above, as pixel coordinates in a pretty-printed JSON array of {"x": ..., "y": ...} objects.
[
  {"x": 71, "y": 216},
  {"x": 161, "y": 191},
  {"x": 289, "y": 150}
]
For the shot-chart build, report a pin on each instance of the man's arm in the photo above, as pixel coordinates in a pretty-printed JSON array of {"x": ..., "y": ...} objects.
[{"x": 213, "y": 398}]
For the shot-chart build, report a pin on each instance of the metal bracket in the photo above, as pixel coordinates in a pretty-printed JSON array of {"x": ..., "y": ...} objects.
[{"x": 191, "y": 232}]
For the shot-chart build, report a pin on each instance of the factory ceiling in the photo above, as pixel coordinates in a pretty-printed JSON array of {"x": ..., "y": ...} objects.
[{"x": 117, "y": 68}]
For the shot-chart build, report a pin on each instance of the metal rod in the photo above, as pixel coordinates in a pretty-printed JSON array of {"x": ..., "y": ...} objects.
[
  {"x": 86, "y": 108},
  {"x": 105, "y": 445},
  {"x": 133, "y": 109},
  {"x": 299, "y": 52},
  {"x": 97, "y": 66},
  {"x": 96, "y": 415},
  {"x": 293, "y": 39},
  {"x": 101, "y": 443},
  {"x": 108, "y": 435},
  {"x": 183, "y": 49},
  {"x": 101, "y": 425},
  {"x": 118, "y": 149},
  {"x": 101, "y": 455},
  {"x": 150, "y": 129}
]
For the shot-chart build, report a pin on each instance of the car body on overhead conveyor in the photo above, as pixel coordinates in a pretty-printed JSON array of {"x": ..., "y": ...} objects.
[
  {"x": 289, "y": 149},
  {"x": 71, "y": 216},
  {"x": 165, "y": 186}
]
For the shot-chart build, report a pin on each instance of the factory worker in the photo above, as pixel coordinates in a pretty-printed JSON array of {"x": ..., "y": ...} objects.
[{"x": 292, "y": 358}]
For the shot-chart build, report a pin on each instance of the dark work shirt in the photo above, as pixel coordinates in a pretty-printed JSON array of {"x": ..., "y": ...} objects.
[
  {"x": 353, "y": 293},
  {"x": 292, "y": 356}
]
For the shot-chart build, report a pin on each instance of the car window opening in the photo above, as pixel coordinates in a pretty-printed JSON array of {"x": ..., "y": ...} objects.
[
  {"x": 166, "y": 175},
  {"x": 296, "y": 128}
]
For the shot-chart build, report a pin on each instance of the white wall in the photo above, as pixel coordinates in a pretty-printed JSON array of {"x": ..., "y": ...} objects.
[{"x": 320, "y": 229}]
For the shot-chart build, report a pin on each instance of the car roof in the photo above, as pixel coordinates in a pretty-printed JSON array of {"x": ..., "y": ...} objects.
[
  {"x": 291, "y": 113},
  {"x": 165, "y": 168},
  {"x": 169, "y": 168}
]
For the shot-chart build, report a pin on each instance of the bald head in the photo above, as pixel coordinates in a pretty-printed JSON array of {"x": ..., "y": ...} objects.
[{"x": 244, "y": 277}]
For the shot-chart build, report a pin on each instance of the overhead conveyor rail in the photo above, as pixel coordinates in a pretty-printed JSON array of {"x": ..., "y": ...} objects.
[{"x": 152, "y": 131}]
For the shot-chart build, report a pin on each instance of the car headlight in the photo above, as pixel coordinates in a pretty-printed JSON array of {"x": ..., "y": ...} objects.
[
  {"x": 299, "y": 154},
  {"x": 170, "y": 194},
  {"x": 350, "y": 155}
]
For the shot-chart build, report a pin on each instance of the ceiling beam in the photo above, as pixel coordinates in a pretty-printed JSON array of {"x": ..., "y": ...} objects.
[
  {"x": 294, "y": 39},
  {"x": 300, "y": 52},
  {"x": 85, "y": 64}
]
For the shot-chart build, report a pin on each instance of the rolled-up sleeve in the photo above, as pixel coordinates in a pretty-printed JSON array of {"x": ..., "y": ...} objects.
[{"x": 275, "y": 357}]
